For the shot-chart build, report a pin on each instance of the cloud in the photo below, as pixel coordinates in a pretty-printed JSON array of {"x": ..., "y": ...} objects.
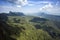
[
  {"x": 39, "y": 2},
  {"x": 46, "y": 7},
  {"x": 18, "y": 6},
  {"x": 52, "y": 9},
  {"x": 9, "y": 8},
  {"x": 17, "y": 2},
  {"x": 57, "y": 3},
  {"x": 31, "y": 4}
]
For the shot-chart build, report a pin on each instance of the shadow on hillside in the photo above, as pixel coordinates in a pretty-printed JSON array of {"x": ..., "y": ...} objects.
[
  {"x": 37, "y": 26},
  {"x": 54, "y": 33},
  {"x": 6, "y": 30},
  {"x": 38, "y": 19}
]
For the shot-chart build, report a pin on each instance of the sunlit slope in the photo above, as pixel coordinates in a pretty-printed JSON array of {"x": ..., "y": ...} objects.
[
  {"x": 28, "y": 28},
  {"x": 34, "y": 28}
]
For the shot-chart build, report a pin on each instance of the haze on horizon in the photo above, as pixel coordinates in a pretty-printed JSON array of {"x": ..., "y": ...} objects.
[{"x": 30, "y": 6}]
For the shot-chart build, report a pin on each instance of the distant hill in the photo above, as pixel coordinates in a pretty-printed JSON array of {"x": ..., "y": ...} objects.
[
  {"x": 28, "y": 28},
  {"x": 49, "y": 16},
  {"x": 13, "y": 14},
  {"x": 16, "y": 14},
  {"x": 16, "y": 27}
]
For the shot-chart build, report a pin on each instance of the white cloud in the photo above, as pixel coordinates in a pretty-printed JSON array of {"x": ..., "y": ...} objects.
[
  {"x": 39, "y": 2},
  {"x": 19, "y": 6},
  {"x": 22, "y": 2},
  {"x": 46, "y": 7},
  {"x": 31, "y": 4},
  {"x": 9, "y": 8},
  {"x": 44, "y": 2},
  {"x": 52, "y": 9},
  {"x": 18, "y": 2}
]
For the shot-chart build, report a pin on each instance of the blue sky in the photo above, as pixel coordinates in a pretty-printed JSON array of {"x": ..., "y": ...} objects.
[{"x": 31, "y": 6}]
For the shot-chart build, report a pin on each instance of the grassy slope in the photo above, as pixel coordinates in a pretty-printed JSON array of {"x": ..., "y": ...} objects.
[{"x": 47, "y": 29}]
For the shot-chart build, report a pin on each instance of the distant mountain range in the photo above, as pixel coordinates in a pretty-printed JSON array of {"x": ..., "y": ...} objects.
[
  {"x": 49, "y": 16},
  {"x": 17, "y": 26},
  {"x": 13, "y": 13},
  {"x": 40, "y": 14}
]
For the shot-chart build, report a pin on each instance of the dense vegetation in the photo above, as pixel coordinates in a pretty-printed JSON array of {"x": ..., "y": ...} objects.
[{"x": 28, "y": 28}]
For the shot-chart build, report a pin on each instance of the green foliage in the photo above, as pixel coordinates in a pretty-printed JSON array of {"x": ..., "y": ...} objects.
[{"x": 25, "y": 29}]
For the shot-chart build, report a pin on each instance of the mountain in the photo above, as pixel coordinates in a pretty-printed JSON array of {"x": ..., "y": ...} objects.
[
  {"x": 13, "y": 14},
  {"x": 16, "y": 13},
  {"x": 28, "y": 28},
  {"x": 49, "y": 16}
]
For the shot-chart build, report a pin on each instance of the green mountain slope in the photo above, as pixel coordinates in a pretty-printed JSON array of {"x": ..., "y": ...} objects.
[{"x": 28, "y": 28}]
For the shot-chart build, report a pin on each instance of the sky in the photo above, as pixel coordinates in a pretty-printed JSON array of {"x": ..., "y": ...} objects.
[{"x": 31, "y": 6}]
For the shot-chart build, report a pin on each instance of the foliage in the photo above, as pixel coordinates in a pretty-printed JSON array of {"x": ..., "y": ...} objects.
[{"x": 23, "y": 28}]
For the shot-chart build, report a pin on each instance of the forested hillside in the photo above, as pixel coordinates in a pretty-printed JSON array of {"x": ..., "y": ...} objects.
[{"x": 28, "y": 28}]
